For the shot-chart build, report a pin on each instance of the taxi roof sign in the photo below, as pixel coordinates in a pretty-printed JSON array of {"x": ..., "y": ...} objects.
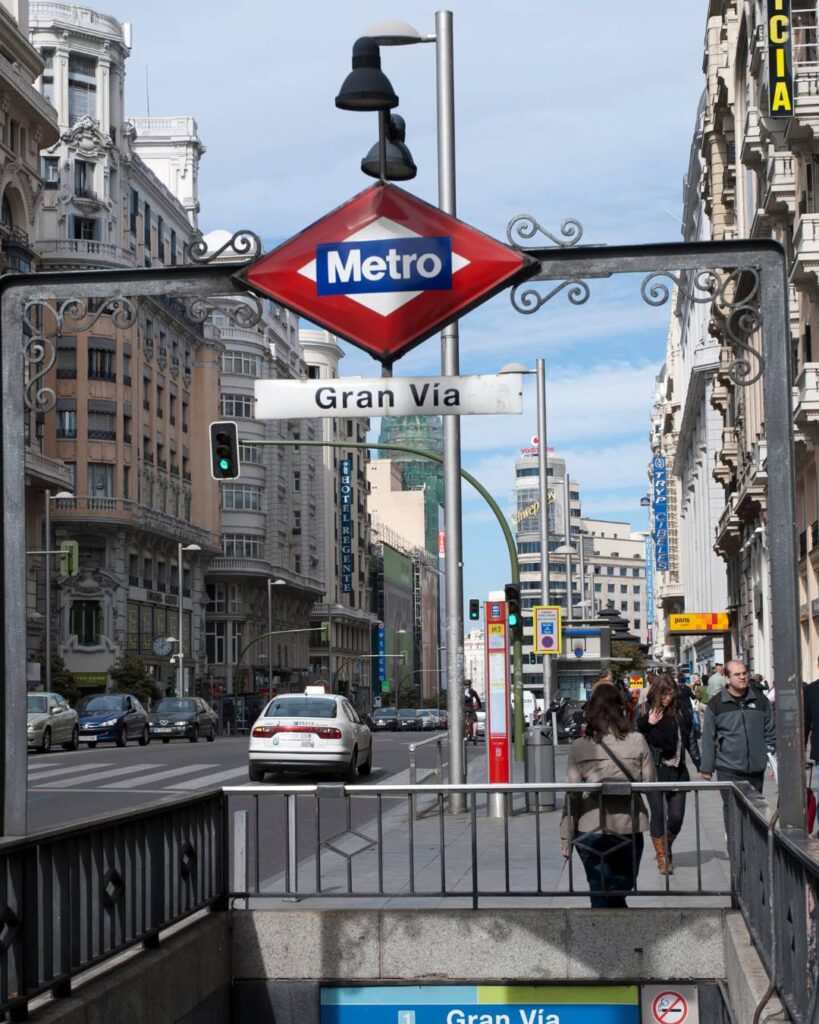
[
  {"x": 699, "y": 622},
  {"x": 386, "y": 270}
]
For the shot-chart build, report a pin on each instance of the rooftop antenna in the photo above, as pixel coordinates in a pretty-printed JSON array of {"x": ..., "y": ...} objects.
[{"x": 147, "y": 92}]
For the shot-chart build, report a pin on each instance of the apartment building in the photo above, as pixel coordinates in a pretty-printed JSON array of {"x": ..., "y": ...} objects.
[{"x": 136, "y": 383}]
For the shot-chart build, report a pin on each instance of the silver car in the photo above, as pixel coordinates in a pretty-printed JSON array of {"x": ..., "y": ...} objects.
[{"x": 51, "y": 721}]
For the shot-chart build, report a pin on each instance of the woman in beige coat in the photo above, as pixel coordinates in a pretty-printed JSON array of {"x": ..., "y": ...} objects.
[{"x": 607, "y": 831}]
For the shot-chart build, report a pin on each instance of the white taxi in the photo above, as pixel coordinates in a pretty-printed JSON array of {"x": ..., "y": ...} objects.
[{"x": 309, "y": 732}]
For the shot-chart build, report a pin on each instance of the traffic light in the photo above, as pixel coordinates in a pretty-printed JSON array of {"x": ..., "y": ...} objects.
[
  {"x": 532, "y": 658},
  {"x": 224, "y": 450},
  {"x": 325, "y": 633},
  {"x": 474, "y": 609},
  {"x": 513, "y": 618},
  {"x": 69, "y": 557}
]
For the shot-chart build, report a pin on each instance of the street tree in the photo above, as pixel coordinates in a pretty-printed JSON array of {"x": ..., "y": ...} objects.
[{"x": 129, "y": 675}]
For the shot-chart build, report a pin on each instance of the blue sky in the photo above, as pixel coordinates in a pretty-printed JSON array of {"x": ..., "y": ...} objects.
[{"x": 583, "y": 109}]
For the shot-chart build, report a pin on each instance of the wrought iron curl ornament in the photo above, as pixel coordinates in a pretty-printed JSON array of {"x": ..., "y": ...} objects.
[
  {"x": 245, "y": 313},
  {"x": 742, "y": 317},
  {"x": 244, "y": 244},
  {"x": 525, "y": 227},
  {"x": 526, "y": 299},
  {"x": 123, "y": 312}
]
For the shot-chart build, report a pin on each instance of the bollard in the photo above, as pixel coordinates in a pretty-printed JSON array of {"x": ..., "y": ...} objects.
[{"x": 539, "y": 767}]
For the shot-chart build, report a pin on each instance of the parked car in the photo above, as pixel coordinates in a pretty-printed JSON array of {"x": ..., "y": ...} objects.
[
  {"x": 386, "y": 719},
  {"x": 410, "y": 718},
  {"x": 309, "y": 732},
  {"x": 112, "y": 718},
  {"x": 481, "y": 723},
  {"x": 50, "y": 721},
  {"x": 429, "y": 719},
  {"x": 182, "y": 718}
]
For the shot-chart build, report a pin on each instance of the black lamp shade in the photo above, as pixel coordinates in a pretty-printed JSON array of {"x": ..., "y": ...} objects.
[
  {"x": 399, "y": 164},
  {"x": 366, "y": 87}
]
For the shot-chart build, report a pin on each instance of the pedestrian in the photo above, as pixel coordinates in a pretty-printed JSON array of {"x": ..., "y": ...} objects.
[
  {"x": 472, "y": 705},
  {"x": 738, "y": 733},
  {"x": 607, "y": 830},
  {"x": 716, "y": 681},
  {"x": 810, "y": 696},
  {"x": 667, "y": 723}
]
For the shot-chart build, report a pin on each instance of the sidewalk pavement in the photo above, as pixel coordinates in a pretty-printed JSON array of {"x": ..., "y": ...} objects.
[{"x": 533, "y": 864}]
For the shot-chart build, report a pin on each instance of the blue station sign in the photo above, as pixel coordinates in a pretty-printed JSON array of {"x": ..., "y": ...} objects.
[{"x": 481, "y": 1004}]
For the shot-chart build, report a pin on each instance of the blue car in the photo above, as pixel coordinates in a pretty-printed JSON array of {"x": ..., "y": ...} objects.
[{"x": 112, "y": 718}]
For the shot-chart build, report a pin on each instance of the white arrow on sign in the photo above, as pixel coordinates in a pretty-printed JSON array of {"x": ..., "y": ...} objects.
[{"x": 389, "y": 396}]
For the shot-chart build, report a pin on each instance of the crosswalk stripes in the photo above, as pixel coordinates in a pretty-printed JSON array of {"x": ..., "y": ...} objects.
[
  {"x": 55, "y": 768},
  {"x": 168, "y": 773},
  {"x": 66, "y": 783}
]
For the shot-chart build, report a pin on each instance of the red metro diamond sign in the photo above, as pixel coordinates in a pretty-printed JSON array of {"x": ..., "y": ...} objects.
[{"x": 386, "y": 270}]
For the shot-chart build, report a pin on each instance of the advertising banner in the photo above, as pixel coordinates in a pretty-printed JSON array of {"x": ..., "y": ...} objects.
[
  {"x": 497, "y": 692},
  {"x": 660, "y": 507},
  {"x": 480, "y": 1004},
  {"x": 345, "y": 497}
]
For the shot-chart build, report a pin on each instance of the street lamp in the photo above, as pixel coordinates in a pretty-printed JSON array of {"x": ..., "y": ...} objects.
[
  {"x": 399, "y": 33},
  {"x": 180, "y": 656},
  {"x": 270, "y": 584},
  {"x": 49, "y": 497}
]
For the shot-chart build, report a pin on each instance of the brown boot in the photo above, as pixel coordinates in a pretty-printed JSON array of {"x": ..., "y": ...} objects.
[
  {"x": 659, "y": 849},
  {"x": 670, "y": 839}
]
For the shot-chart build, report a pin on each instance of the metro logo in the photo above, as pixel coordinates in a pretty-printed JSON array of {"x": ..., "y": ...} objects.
[
  {"x": 386, "y": 270},
  {"x": 411, "y": 264}
]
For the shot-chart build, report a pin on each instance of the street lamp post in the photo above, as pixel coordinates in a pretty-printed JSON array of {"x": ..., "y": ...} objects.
[
  {"x": 180, "y": 656},
  {"x": 399, "y": 678},
  {"x": 270, "y": 584},
  {"x": 49, "y": 497}
]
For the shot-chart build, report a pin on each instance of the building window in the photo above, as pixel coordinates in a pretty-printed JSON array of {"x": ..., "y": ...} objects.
[
  {"x": 48, "y": 76},
  {"x": 623, "y": 589},
  {"x": 234, "y": 599},
  {"x": 51, "y": 171},
  {"x": 609, "y": 570},
  {"x": 610, "y": 588},
  {"x": 237, "y": 405},
  {"x": 216, "y": 598},
  {"x": 86, "y": 622},
  {"x": 235, "y": 641},
  {"x": 250, "y": 453},
  {"x": 133, "y": 212},
  {"x": 215, "y": 642},
  {"x": 146, "y": 226},
  {"x": 297, "y": 481},
  {"x": 101, "y": 364},
  {"x": 84, "y": 229},
  {"x": 101, "y": 484},
  {"x": 102, "y": 426},
  {"x": 598, "y": 588},
  {"x": 624, "y": 606},
  {"x": 242, "y": 545},
  {"x": 241, "y": 497},
  {"x": 126, "y": 481},
  {"x": 173, "y": 248},
  {"x": 67, "y": 423},
  {"x": 623, "y": 571},
  {"x": 636, "y": 572},
  {"x": 84, "y": 179},
  {"x": 82, "y": 87},
  {"x": 242, "y": 364}
]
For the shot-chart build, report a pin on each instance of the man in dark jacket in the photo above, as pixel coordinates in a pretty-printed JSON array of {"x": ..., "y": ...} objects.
[
  {"x": 738, "y": 732},
  {"x": 811, "y": 698}
]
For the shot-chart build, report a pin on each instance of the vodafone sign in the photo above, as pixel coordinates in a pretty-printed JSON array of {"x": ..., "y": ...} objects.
[{"x": 386, "y": 270}]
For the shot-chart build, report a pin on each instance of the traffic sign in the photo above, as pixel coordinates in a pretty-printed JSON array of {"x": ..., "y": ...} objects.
[
  {"x": 546, "y": 634},
  {"x": 386, "y": 270},
  {"x": 389, "y": 396},
  {"x": 670, "y": 1004}
]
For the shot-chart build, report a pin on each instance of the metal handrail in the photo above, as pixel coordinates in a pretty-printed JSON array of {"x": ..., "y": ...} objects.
[{"x": 438, "y": 771}]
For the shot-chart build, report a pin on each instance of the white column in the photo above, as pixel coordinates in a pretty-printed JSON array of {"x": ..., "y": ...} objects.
[{"x": 103, "y": 94}]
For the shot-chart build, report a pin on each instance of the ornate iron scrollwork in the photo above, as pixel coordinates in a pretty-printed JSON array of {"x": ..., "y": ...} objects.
[
  {"x": 742, "y": 316},
  {"x": 526, "y": 299},
  {"x": 39, "y": 348},
  {"x": 244, "y": 244},
  {"x": 245, "y": 311},
  {"x": 526, "y": 227}
]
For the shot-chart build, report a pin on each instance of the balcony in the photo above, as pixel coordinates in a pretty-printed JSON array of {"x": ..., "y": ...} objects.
[
  {"x": 83, "y": 252},
  {"x": 806, "y": 404},
  {"x": 779, "y": 185},
  {"x": 754, "y": 150},
  {"x": 806, "y": 249}
]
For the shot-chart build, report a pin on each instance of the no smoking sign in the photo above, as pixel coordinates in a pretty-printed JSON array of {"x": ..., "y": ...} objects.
[{"x": 670, "y": 1004}]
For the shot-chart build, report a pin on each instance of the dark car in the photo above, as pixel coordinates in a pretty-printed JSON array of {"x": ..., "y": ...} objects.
[
  {"x": 385, "y": 720},
  {"x": 410, "y": 718},
  {"x": 112, "y": 718},
  {"x": 182, "y": 718}
]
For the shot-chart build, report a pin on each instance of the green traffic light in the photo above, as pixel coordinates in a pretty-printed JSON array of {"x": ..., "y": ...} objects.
[{"x": 224, "y": 465}]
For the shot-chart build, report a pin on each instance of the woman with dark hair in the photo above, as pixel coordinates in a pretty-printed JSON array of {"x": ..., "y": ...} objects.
[
  {"x": 607, "y": 829},
  {"x": 667, "y": 723}
]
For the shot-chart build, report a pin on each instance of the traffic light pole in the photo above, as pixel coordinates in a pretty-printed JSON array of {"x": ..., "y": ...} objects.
[{"x": 543, "y": 494}]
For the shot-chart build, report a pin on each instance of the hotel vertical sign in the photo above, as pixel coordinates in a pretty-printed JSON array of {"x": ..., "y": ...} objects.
[
  {"x": 345, "y": 495},
  {"x": 660, "y": 507},
  {"x": 780, "y": 59}
]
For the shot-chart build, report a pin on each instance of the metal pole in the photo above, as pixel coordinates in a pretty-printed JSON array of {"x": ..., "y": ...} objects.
[
  {"x": 567, "y": 534},
  {"x": 452, "y": 424},
  {"x": 382, "y": 143},
  {"x": 180, "y": 672},
  {"x": 543, "y": 494},
  {"x": 581, "y": 568},
  {"x": 47, "y": 577},
  {"x": 330, "y": 644},
  {"x": 269, "y": 638}
]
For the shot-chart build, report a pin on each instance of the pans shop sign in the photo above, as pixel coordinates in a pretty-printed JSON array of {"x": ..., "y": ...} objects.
[{"x": 481, "y": 1004}]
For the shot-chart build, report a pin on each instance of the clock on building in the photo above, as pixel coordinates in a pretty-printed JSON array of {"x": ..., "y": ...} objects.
[{"x": 162, "y": 646}]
